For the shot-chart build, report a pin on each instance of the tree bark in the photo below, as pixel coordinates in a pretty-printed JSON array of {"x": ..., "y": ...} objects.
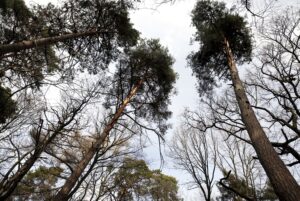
[
  {"x": 283, "y": 182},
  {"x": 15, "y": 47},
  {"x": 64, "y": 193}
]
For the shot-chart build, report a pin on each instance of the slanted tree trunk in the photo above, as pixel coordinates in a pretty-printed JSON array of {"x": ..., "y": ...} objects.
[
  {"x": 15, "y": 47},
  {"x": 64, "y": 193},
  {"x": 281, "y": 179},
  {"x": 8, "y": 184}
]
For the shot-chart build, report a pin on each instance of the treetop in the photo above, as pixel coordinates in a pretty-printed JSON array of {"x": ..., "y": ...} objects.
[
  {"x": 150, "y": 63},
  {"x": 215, "y": 23}
]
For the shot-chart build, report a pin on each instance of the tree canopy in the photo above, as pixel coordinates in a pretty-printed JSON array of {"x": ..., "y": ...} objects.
[
  {"x": 150, "y": 63},
  {"x": 7, "y": 105},
  {"x": 134, "y": 180},
  {"x": 38, "y": 184},
  {"x": 214, "y": 23}
]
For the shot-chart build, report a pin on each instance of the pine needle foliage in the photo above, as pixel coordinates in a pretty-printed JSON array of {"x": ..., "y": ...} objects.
[
  {"x": 214, "y": 22},
  {"x": 150, "y": 63},
  {"x": 8, "y": 106}
]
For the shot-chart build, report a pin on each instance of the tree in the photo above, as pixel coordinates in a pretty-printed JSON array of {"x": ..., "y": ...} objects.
[
  {"x": 164, "y": 187},
  {"x": 134, "y": 180},
  {"x": 207, "y": 142},
  {"x": 234, "y": 188},
  {"x": 275, "y": 79},
  {"x": 17, "y": 25},
  {"x": 59, "y": 41},
  {"x": 18, "y": 14},
  {"x": 242, "y": 178},
  {"x": 41, "y": 134},
  {"x": 144, "y": 79},
  {"x": 76, "y": 37},
  {"x": 95, "y": 182},
  {"x": 7, "y": 105},
  {"x": 268, "y": 193},
  {"x": 194, "y": 152},
  {"x": 225, "y": 39},
  {"x": 51, "y": 40},
  {"x": 37, "y": 184}
]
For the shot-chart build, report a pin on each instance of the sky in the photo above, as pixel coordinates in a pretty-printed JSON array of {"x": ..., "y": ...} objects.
[{"x": 171, "y": 23}]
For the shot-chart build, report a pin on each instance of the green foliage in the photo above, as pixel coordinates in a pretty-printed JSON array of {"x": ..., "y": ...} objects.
[
  {"x": 91, "y": 53},
  {"x": 7, "y": 104},
  {"x": 135, "y": 180},
  {"x": 111, "y": 18},
  {"x": 18, "y": 7},
  {"x": 164, "y": 187},
  {"x": 15, "y": 20},
  {"x": 214, "y": 22},
  {"x": 19, "y": 23},
  {"x": 237, "y": 184},
  {"x": 268, "y": 193},
  {"x": 132, "y": 178},
  {"x": 151, "y": 63},
  {"x": 38, "y": 184}
]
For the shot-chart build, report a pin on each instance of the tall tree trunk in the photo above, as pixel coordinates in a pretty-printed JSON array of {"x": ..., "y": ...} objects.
[
  {"x": 64, "y": 193},
  {"x": 283, "y": 182},
  {"x": 8, "y": 184},
  {"x": 15, "y": 47}
]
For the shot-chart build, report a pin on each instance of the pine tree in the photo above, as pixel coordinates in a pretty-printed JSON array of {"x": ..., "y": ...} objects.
[
  {"x": 225, "y": 39},
  {"x": 135, "y": 180},
  {"x": 38, "y": 184},
  {"x": 7, "y": 104},
  {"x": 144, "y": 80}
]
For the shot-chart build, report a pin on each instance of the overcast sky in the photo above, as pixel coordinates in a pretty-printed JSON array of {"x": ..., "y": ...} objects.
[{"x": 171, "y": 23}]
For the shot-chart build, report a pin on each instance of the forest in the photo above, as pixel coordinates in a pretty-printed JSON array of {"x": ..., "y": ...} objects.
[{"x": 83, "y": 95}]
